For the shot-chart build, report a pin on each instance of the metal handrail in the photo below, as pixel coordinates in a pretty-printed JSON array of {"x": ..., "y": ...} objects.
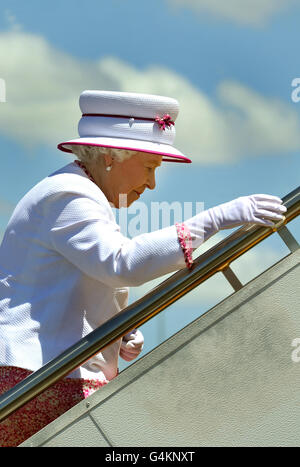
[{"x": 206, "y": 265}]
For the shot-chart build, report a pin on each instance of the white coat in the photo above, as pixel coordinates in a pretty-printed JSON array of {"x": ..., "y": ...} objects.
[{"x": 65, "y": 269}]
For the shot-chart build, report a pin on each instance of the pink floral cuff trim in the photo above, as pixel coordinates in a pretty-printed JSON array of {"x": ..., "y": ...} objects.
[{"x": 185, "y": 241}]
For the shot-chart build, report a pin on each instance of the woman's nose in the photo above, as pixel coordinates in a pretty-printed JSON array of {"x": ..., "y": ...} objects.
[{"x": 151, "y": 181}]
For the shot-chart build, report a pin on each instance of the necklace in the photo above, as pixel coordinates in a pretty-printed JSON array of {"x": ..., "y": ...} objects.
[{"x": 83, "y": 167}]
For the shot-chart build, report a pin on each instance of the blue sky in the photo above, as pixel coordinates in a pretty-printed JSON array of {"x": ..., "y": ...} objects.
[{"x": 230, "y": 65}]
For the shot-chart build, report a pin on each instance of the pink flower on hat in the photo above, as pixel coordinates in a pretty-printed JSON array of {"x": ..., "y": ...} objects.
[{"x": 164, "y": 121}]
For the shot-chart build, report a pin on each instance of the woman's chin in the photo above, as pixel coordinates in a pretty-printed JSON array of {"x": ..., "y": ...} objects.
[
  {"x": 132, "y": 199},
  {"x": 125, "y": 201}
]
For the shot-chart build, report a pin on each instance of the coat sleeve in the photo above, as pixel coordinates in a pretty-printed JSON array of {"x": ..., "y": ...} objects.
[{"x": 81, "y": 231}]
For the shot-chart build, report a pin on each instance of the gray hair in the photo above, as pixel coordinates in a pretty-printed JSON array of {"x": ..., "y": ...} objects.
[{"x": 88, "y": 154}]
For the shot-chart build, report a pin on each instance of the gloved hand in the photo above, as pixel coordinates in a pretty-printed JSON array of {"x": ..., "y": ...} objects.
[
  {"x": 254, "y": 209},
  {"x": 132, "y": 344}
]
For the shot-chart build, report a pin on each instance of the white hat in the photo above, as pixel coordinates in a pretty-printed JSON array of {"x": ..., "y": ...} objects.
[{"x": 131, "y": 121}]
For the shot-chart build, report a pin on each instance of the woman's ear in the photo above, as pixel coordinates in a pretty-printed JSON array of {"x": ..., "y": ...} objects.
[{"x": 108, "y": 160}]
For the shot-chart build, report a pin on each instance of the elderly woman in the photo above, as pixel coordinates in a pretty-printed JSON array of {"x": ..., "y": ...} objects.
[{"x": 65, "y": 267}]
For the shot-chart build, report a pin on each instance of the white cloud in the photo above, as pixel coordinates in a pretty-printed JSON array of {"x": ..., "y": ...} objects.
[
  {"x": 43, "y": 85},
  {"x": 42, "y": 88},
  {"x": 248, "y": 12},
  {"x": 238, "y": 122}
]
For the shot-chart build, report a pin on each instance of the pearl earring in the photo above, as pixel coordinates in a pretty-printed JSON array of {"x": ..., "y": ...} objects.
[{"x": 108, "y": 168}]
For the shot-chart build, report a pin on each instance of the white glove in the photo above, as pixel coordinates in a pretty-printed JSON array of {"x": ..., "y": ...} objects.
[
  {"x": 254, "y": 209},
  {"x": 132, "y": 345}
]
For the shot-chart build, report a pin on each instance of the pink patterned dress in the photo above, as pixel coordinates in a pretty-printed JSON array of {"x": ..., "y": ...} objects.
[{"x": 45, "y": 408}]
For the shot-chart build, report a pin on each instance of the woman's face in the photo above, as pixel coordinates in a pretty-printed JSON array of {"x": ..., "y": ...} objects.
[{"x": 131, "y": 177}]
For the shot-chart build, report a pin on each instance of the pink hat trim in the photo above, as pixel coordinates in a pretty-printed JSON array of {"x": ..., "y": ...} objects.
[{"x": 179, "y": 158}]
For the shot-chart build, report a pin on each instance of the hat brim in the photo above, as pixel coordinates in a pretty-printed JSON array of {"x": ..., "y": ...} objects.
[{"x": 169, "y": 153}]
